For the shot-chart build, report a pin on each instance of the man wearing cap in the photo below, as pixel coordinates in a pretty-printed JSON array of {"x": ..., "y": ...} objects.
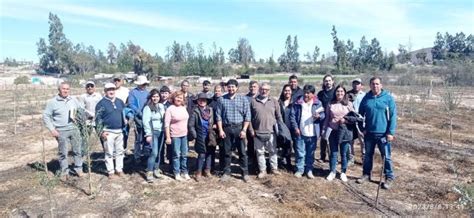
[
  {"x": 89, "y": 100},
  {"x": 136, "y": 102},
  {"x": 120, "y": 92},
  {"x": 355, "y": 96},
  {"x": 233, "y": 119},
  {"x": 60, "y": 119},
  {"x": 109, "y": 124}
]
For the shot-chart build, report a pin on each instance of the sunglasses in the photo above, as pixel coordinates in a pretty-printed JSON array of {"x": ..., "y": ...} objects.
[{"x": 90, "y": 86}]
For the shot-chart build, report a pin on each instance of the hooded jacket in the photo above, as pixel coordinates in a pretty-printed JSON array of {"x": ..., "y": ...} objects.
[
  {"x": 295, "y": 115},
  {"x": 380, "y": 113}
]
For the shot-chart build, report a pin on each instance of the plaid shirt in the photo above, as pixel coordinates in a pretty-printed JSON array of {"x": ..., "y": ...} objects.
[{"x": 233, "y": 111}]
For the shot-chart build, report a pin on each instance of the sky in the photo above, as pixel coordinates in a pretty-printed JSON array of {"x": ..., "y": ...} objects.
[{"x": 154, "y": 25}]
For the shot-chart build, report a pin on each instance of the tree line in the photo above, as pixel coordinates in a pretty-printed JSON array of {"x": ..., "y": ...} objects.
[{"x": 58, "y": 55}]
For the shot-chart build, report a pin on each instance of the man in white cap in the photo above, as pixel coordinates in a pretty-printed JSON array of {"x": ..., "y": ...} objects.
[
  {"x": 109, "y": 124},
  {"x": 89, "y": 100},
  {"x": 136, "y": 102}
]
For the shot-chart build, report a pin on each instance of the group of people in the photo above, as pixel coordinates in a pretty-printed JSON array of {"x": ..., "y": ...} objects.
[{"x": 222, "y": 121}]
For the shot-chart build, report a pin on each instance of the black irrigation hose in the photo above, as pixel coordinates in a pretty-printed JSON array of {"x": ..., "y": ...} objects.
[{"x": 382, "y": 208}]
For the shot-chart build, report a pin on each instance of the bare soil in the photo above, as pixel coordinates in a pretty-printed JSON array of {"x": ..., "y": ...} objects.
[{"x": 432, "y": 178}]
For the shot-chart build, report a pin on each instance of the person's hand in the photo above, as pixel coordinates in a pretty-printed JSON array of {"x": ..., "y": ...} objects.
[
  {"x": 168, "y": 141},
  {"x": 148, "y": 139},
  {"x": 316, "y": 116},
  {"x": 297, "y": 132},
  {"x": 342, "y": 121},
  {"x": 104, "y": 135},
  {"x": 390, "y": 137},
  {"x": 243, "y": 134},
  {"x": 214, "y": 126},
  {"x": 222, "y": 134},
  {"x": 54, "y": 133}
]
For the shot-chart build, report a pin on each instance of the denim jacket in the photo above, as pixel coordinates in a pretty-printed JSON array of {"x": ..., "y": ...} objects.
[{"x": 295, "y": 115}]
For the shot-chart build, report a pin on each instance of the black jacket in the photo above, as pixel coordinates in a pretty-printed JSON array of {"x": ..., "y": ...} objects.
[{"x": 195, "y": 131}]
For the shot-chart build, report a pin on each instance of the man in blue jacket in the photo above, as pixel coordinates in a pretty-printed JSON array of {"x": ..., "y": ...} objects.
[
  {"x": 380, "y": 112},
  {"x": 137, "y": 101}
]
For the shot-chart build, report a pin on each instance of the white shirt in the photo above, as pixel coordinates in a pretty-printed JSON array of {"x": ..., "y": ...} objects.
[
  {"x": 122, "y": 94},
  {"x": 306, "y": 123},
  {"x": 89, "y": 102}
]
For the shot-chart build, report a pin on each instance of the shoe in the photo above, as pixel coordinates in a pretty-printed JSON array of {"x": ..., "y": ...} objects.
[
  {"x": 111, "y": 176},
  {"x": 246, "y": 178},
  {"x": 197, "y": 176},
  {"x": 331, "y": 176},
  {"x": 276, "y": 172},
  {"x": 185, "y": 176},
  {"x": 310, "y": 175},
  {"x": 177, "y": 177},
  {"x": 224, "y": 178},
  {"x": 343, "y": 177},
  {"x": 298, "y": 174},
  {"x": 79, "y": 174},
  {"x": 387, "y": 184},
  {"x": 363, "y": 179},
  {"x": 207, "y": 173},
  {"x": 64, "y": 177},
  {"x": 261, "y": 175},
  {"x": 149, "y": 177},
  {"x": 157, "y": 173},
  {"x": 351, "y": 161},
  {"x": 119, "y": 174}
]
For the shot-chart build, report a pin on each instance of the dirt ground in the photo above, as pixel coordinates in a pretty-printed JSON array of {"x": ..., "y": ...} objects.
[{"x": 432, "y": 178}]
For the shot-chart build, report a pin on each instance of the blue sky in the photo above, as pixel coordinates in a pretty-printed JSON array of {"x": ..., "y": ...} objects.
[{"x": 154, "y": 25}]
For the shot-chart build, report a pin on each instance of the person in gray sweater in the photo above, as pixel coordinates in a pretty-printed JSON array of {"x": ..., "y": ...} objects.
[
  {"x": 60, "y": 118},
  {"x": 265, "y": 111}
]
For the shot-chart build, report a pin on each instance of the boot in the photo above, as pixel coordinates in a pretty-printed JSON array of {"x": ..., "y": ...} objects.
[
  {"x": 197, "y": 176},
  {"x": 207, "y": 173}
]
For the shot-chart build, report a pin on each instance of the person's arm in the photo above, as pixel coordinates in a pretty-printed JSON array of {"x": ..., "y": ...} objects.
[
  {"x": 48, "y": 119},
  {"x": 218, "y": 114},
  {"x": 99, "y": 125},
  {"x": 146, "y": 121},
  {"x": 132, "y": 102},
  {"x": 327, "y": 116},
  {"x": 293, "y": 122},
  {"x": 192, "y": 126},
  {"x": 392, "y": 119},
  {"x": 167, "y": 126},
  {"x": 247, "y": 118}
]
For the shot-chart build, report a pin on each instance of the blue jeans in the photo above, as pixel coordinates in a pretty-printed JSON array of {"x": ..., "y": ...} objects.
[
  {"x": 304, "y": 153},
  {"x": 370, "y": 140},
  {"x": 335, "y": 148},
  {"x": 180, "y": 154},
  {"x": 156, "y": 150}
]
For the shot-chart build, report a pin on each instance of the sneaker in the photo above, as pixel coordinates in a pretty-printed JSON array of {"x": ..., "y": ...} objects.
[
  {"x": 185, "y": 176},
  {"x": 149, "y": 177},
  {"x": 177, "y": 177},
  {"x": 331, "y": 176},
  {"x": 276, "y": 172},
  {"x": 261, "y": 175},
  {"x": 157, "y": 173},
  {"x": 224, "y": 178},
  {"x": 343, "y": 177},
  {"x": 298, "y": 174},
  {"x": 387, "y": 184},
  {"x": 310, "y": 175},
  {"x": 246, "y": 178},
  {"x": 363, "y": 179}
]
